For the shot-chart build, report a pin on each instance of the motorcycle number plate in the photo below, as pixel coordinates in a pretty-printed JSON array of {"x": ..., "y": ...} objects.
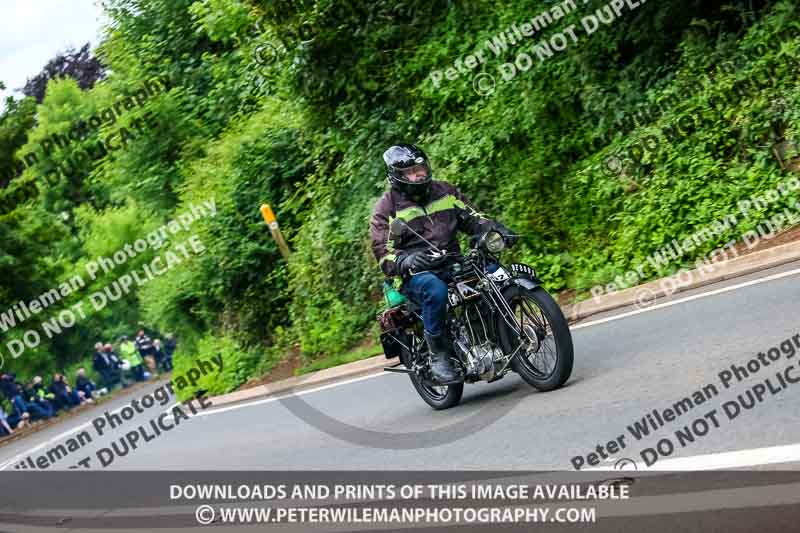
[{"x": 499, "y": 275}]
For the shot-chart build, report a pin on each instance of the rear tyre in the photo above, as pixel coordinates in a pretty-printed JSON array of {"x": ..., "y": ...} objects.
[
  {"x": 438, "y": 396},
  {"x": 545, "y": 362}
]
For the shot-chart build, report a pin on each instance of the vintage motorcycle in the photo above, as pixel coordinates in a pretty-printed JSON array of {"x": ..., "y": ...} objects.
[{"x": 499, "y": 318}]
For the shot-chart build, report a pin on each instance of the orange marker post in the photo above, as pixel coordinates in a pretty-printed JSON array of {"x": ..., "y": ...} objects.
[{"x": 275, "y": 230}]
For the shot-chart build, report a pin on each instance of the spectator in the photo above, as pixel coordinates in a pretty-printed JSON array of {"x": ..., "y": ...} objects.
[
  {"x": 64, "y": 397},
  {"x": 8, "y": 385},
  {"x": 117, "y": 364},
  {"x": 146, "y": 349},
  {"x": 41, "y": 395},
  {"x": 5, "y": 428},
  {"x": 158, "y": 353},
  {"x": 105, "y": 367},
  {"x": 23, "y": 407},
  {"x": 128, "y": 352},
  {"x": 36, "y": 394},
  {"x": 84, "y": 384},
  {"x": 169, "y": 349}
]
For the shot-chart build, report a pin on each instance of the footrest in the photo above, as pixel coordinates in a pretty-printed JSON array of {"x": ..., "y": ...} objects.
[{"x": 395, "y": 368}]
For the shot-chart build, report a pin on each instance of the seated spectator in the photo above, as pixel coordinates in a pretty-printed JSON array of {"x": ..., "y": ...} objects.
[
  {"x": 5, "y": 427},
  {"x": 64, "y": 397},
  {"x": 130, "y": 355},
  {"x": 108, "y": 371},
  {"x": 84, "y": 385},
  {"x": 18, "y": 422},
  {"x": 23, "y": 409},
  {"x": 169, "y": 349},
  {"x": 8, "y": 386},
  {"x": 117, "y": 364},
  {"x": 41, "y": 396},
  {"x": 36, "y": 394}
]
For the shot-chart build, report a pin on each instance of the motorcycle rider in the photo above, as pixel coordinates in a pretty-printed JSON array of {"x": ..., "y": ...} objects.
[{"x": 436, "y": 211}]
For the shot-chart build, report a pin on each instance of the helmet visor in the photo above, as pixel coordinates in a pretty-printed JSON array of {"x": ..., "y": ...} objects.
[{"x": 416, "y": 173}]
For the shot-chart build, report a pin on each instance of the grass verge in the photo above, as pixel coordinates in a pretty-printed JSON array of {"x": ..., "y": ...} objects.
[{"x": 357, "y": 354}]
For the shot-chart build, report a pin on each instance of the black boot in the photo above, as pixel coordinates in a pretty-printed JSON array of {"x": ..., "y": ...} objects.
[{"x": 441, "y": 367}]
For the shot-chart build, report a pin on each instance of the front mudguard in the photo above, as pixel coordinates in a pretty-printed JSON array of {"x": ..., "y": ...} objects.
[
  {"x": 527, "y": 283},
  {"x": 524, "y": 276}
]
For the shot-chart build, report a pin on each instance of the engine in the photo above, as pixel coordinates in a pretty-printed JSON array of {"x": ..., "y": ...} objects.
[{"x": 474, "y": 339}]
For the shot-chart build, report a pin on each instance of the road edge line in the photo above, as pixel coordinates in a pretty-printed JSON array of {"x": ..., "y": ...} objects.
[{"x": 734, "y": 268}]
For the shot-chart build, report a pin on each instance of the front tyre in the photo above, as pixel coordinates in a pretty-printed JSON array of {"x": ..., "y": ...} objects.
[
  {"x": 438, "y": 396},
  {"x": 545, "y": 355}
]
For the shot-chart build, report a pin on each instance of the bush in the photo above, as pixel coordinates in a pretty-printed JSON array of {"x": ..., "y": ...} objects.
[{"x": 238, "y": 364}]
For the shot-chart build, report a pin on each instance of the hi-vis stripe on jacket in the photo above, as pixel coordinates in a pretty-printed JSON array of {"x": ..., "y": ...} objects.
[{"x": 446, "y": 212}]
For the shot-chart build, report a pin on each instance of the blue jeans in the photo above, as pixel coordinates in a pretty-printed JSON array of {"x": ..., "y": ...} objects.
[
  {"x": 429, "y": 291},
  {"x": 35, "y": 410}
]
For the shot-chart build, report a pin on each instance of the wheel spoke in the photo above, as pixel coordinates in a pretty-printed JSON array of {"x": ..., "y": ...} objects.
[{"x": 543, "y": 360}]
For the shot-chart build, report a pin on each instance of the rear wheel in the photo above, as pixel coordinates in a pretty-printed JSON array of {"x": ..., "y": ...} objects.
[
  {"x": 545, "y": 355},
  {"x": 438, "y": 396}
]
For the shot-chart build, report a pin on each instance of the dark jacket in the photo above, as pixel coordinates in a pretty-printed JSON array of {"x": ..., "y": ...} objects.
[
  {"x": 101, "y": 362},
  {"x": 82, "y": 383},
  {"x": 169, "y": 347},
  {"x": 59, "y": 388},
  {"x": 446, "y": 212},
  {"x": 8, "y": 386},
  {"x": 116, "y": 362}
]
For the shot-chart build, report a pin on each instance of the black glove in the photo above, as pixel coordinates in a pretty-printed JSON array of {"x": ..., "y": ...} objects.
[
  {"x": 509, "y": 236},
  {"x": 418, "y": 262}
]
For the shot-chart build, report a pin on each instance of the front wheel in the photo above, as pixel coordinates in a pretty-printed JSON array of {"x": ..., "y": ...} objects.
[
  {"x": 438, "y": 396},
  {"x": 544, "y": 353}
]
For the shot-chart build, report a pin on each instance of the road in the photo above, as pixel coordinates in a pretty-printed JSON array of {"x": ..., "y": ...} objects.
[{"x": 627, "y": 363}]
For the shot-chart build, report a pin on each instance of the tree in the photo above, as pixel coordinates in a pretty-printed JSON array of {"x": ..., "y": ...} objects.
[
  {"x": 15, "y": 122},
  {"x": 80, "y": 65}
]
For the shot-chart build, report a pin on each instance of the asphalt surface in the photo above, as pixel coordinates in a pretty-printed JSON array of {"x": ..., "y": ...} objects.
[{"x": 624, "y": 368}]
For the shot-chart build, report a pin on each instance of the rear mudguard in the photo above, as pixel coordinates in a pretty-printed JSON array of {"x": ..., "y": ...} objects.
[{"x": 391, "y": 348}]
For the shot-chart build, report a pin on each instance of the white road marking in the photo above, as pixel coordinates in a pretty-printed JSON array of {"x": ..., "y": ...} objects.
[
  {"x": 57, "y": 438},
  {"x": 45, "y": 443},
  {"x": 76, "y": 429},
  {"x": 688, "y": 299},
  {"x": 770, "y": 455},
  {"x": 271, "y": 399}
]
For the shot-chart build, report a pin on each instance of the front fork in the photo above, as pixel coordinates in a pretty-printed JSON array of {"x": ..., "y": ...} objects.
[{"x": 507, "y": 314}]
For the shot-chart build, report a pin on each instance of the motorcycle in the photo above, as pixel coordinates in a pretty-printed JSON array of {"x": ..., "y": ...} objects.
[{"x": 499, "y": 318}]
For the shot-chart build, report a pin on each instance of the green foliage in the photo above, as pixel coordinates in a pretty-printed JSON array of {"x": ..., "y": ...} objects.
[
  {"x": 238, "y": 364},
  {"x": 337, "y": 359}
]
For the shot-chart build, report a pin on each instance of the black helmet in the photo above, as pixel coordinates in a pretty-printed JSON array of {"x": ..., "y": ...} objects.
[{"x": 408, "y": 171}]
